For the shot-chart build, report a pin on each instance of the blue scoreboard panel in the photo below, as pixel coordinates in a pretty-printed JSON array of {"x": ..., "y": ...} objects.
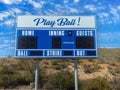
[{"x": 56, "y": 37}]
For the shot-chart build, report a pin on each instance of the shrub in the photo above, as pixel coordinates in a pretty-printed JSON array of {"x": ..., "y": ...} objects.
[
  {"x": 58, "y": 67},
  {"x": 61, "y": 81},
  {"x": 95, "y": 84},
  {"x": 10, "y": 77},
  {"x": 63, "y": 65},
  {"x": 7, "y": 70},
  {"x": 91, "y": 68},
  {"x": 113, "y": 70},
  {"x": 11, "y": 81},
  {"x": 46, "y": 62},
  {"x": 116, "y": 83},
  {"x": 54, "y": 62},
  {"x": 28, "y": 66}
]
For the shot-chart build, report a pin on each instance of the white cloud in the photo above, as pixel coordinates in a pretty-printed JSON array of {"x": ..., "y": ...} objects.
[
  {"x": 9, "y": 41},
  {"x": 1, "y": 34},
  {"x": 109, "y": 45},
  {"x": 90, "y": 7},
  {"x": 74, "y": 10},
  {"x": 4, "y": 15},
  {"x": 57, "y": 6},
  {"x": 116, "y": 16},
  {"x": 16, "y": 10},
  {"x": 110, "y": 15},
  {"x": 36, "y": 4},
  {"x": 101, "y": 8},
  {"x": 113, "y": 10},
  {"x": 103, "y": 15},
  {"x": 61, "y": 10},
  {"x": 11, "y": 12},
  {"x": 3, "y": 45},
  {"x": 106, "y": 18},
  {"x": 118, "y": 7},
  {"x": 66, "y": 1},
  {"x": 51, "y": 12},
  {"x": 106, "y": 37},
  {"x": 8, "y": 17},
  {"x": 9, "y": 22},
  {"x": 109, "y": 36},
  {"x": 76, "y": 1},
  {"x": 65, "y": 10},
  {"x": 11, "y": 1}
]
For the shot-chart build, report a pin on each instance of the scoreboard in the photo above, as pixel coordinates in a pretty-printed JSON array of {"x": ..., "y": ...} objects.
[{"x": 55, "y": 37}]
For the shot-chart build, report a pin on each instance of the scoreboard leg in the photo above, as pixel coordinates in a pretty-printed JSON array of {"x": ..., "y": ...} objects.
[
  {"x": 36, "y": 74},
  {"x": 76, "y": 74}
]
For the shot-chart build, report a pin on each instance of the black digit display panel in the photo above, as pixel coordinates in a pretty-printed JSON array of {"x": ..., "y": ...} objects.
[
  {"x": 56, "y": 42},
  {"x": 68, "y": 53},
  {"x": 27, "y": 42},
  {"x": 36, "y": 53},
  {"x": 91, "y": 53},
  {"x": 86, "y": 42}
]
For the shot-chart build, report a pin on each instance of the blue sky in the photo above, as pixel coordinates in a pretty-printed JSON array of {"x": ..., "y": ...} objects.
[{"x": 107, "y": 14}]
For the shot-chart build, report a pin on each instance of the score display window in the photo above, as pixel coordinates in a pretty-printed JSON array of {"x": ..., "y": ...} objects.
[
  {"x": 85, "y": 42},
  {"x": 74, "y": 43},
  {"x": 56, "y": 42},
  {"x": 27, "y": 42}
]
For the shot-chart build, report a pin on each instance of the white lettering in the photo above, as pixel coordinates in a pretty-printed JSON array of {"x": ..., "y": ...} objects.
[
  {"x": 84, "y": 33},
  {"x": 56, "y": 33},
  {"x": 68, "y": 42},
  {"x": 54, "y": 53},
  {"x": 91, "y": 33},
  {"x": 80, "y": 53},
  {"x": 18, "y": 53},
  {"x": 28, "y": 32},
  {"x": 22, "y": 53}
]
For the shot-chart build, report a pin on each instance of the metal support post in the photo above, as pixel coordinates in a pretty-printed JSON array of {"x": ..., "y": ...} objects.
[
  {"x": 76, "y": 74},
  {"x": 36, "y": 74}
]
